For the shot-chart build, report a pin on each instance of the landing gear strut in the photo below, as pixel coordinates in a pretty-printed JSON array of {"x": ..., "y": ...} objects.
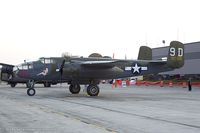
[
  {"x": 31, "y": 91},
  {"x": 93, "y": 90},
  {"x": 74, "y": 88},
  {"x": 46, "y": 84},
  {"x": 13, "y": 85}
]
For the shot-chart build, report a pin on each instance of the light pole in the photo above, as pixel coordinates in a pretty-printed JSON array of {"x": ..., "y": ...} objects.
[{"x": 163, "y": 41}]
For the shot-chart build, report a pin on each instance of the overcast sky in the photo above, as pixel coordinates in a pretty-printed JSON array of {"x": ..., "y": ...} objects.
[{"x": 30, "y": 29}]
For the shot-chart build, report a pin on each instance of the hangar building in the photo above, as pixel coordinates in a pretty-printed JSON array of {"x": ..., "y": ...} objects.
[{"x": 192, "y": 59}]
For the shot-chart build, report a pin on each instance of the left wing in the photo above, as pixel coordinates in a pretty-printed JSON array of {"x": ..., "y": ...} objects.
[
  {"x": 3, "y": 64},
  {"x": 6, "y": 68},
  {"x": 157, "y": 62},
  {"x": 98, "y": 64}
]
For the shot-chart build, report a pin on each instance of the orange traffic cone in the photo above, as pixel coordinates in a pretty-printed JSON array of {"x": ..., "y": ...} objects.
[
  {"x": 138, "y": 83},
  {"x": 170, "y": 84},
  {"x": 114, "y": 84},
  {"x": 161, "y": 84},
  {"x": 146, "y": 83}
]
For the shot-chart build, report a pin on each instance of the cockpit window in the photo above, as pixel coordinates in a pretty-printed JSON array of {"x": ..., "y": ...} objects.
[
  {"x": 25, "y": 67},
  {"x": 15, "y": 68},
  {"x": 53, "y": 61},
  {"x": 47, "y": 61},
  {"x": 20, "y": 67},
  {"x": 42, "y": 60}
]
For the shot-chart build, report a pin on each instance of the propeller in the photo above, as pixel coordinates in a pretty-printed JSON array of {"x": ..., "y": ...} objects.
[{"x": 61, "y": 69}]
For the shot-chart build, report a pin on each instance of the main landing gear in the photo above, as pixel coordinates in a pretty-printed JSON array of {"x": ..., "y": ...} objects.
[
  {"x": 31, "y": 91},
  {"x": 92, "y": 89},
  {"x": 74, "y": 88},
  {"x": 13, "y": 84}
]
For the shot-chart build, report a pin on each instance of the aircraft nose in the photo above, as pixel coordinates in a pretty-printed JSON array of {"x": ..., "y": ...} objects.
[{"x": 23, "y": 74}]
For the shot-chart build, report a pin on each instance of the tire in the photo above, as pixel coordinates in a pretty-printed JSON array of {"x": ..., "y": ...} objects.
[
  {"x": 46, "y": 84},
  {"x": 93, "y": 90},
  {"x": 74, "y": 88},
  {"x": 31, "y": 92},
  {"x": 13, "y": 85}
]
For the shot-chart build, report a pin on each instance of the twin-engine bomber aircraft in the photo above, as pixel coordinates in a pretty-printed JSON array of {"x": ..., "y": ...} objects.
[{"x": 90, "y": 71}]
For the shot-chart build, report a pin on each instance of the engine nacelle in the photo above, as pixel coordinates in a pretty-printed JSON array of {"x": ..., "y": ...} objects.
[{"x": 7, "y": 69}]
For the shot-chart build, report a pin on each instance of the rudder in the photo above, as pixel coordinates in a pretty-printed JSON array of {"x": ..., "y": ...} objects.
[
  {"x": 176, "y": 54},
  {"x": 145, "y": 53}
]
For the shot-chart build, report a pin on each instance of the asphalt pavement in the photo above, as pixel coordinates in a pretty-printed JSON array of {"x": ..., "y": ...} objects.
[{"x": 134, "y": 109}]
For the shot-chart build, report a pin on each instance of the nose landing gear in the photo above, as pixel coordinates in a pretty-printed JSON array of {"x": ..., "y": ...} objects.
[{"x": 31, "y": 91}]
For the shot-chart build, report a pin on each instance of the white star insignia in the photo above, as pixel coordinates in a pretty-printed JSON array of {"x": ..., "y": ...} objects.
[{"x": 136, "y": 68}]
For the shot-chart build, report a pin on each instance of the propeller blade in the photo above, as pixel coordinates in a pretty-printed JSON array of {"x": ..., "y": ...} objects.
[{"x": 61, "y": 68}]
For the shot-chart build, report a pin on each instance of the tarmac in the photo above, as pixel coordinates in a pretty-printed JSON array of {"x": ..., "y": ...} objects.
[{"x": 134, "y": 109}]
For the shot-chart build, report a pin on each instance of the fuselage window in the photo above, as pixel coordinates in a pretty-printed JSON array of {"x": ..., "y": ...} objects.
[
  {"x": 67, "y": 62},
  {"x": 53, "y": 61},
  {"x": 20, "y": 67},
  {"x": 30, "y": 66},
  {"x": 47, "y": 61}
]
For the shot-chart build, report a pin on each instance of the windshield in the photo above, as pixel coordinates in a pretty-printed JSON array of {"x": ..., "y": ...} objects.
[
  {"x": 15, "y": 68},
  {"x": 42, "y": 60},
  {"x": 24, "y": 66},
  {"x": 46, "y": 60}
]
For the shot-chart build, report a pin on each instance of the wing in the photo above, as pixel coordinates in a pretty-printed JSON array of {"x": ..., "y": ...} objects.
[
  {"x": 6, "y": 68},
  {"x": 98, "y": 64},
  {"x": 157, "y": 62},
  {"x": 3, "y": 64}
]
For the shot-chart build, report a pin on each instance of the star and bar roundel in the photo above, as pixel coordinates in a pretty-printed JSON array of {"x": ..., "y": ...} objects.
[{"x": 136, "y": 69}]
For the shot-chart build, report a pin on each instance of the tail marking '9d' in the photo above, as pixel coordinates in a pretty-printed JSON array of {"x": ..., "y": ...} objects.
[{"x": 176, "y": 54}]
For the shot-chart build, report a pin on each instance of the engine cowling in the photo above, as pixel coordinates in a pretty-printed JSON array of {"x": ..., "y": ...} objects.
[{"x": 95, "y": 55}]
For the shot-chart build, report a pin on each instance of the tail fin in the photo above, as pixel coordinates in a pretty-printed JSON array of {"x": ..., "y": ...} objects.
[
  {"x": 176, "y": 55},
  {"x": 145, "y": 53}
]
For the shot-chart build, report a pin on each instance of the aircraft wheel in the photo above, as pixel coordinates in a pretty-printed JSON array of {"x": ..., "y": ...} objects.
[
  {"x": 93, "y": 90},
  {"x": 74, "y": 88},
  {"x": 31, "y": 92},
  {"x": 46, "y": 84},
  {"x": 13, "y": 85}
]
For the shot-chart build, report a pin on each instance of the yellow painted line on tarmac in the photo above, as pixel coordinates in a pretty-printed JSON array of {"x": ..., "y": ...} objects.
[
  {"x": 104, "y": 128},
  {"x": 49, "y": 110}
]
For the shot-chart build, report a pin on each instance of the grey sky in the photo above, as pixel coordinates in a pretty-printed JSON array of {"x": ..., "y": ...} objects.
[{"x": 31, "y": 29}]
